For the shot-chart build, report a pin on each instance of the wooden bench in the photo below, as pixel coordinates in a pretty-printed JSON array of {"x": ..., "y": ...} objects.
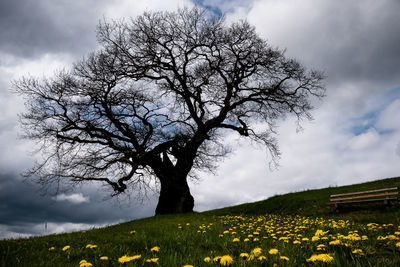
[{"x": 385, "y": 195}]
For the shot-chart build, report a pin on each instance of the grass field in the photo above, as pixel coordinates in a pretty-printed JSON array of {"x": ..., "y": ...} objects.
[{"x": 295, "y": 229}]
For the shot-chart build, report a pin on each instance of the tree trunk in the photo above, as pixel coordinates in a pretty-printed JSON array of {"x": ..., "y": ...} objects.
[{"x": 175, "y": 195}]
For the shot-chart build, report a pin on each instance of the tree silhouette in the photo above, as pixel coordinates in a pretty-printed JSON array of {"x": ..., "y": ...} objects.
[{"x": 153, "y": 104}]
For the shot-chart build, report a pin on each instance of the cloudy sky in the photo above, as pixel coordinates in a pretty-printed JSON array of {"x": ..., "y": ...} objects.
[{"x": 354, "y": 137}]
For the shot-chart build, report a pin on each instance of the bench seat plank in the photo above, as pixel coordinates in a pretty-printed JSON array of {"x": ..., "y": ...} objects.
[
  {"x": 361, "y": 201},
  {"x": 365, "y": 196},
  {"x": 385, "y": 195},
  {"x": 365, "y": 192}
]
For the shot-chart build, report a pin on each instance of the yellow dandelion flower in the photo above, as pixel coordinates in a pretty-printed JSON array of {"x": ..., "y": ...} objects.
[
  {"x": 132, "y": 232},
  {"x": 398, "y": 244},
  {"x": 52, "y": 248},
  {"x": 256, "y": 252},
  {"x": 126, "y": 258},
  {"x": 320, "y": 257},
  {"x": 103, "y": 258},
  {"x": 296, "y": 242},
  {"x": 187, "y": 265},
  {"x": 273, "y": 251},
  {"x": 155, "y": 249},
  {"x": 305, "y": 239},
  {"x": 85, "y": 264},
  {"x": 358, "y": 251},
  {"x": 246, "y": 240},
  {"x": 152, "y": 260},
  {"x": 284, "y": 258},
  {"x": 217, "y": 259},
  {"x": 244, "y": 255},
  {"x": 335, "y": 242},
  {"x": 320, "y": 233},
  {"x": 66, "y": 248},
  {"x": 236, "y": 240},
  {"x": 315, "y": 238},
  {"x": 226, "y": 260},
  {"x": 207, "y": 259},
  {"x": 262, "y": 258},
  {"x": 91, "y": 246}
]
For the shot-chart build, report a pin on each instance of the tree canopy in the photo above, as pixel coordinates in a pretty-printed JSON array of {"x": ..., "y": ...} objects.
[{"x": 153, "y": 103}]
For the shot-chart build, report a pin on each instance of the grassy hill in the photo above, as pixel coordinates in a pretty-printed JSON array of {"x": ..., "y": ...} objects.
[
  {"x": 314, "y": 203},
  {"x": 295, "y": 229}
]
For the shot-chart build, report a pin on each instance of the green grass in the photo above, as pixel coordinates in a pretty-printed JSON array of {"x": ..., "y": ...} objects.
[{"x": 189, "y": 238}]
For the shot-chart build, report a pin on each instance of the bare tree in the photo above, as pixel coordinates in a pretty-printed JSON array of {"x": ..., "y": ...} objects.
[{"x": 154, "y": 102}]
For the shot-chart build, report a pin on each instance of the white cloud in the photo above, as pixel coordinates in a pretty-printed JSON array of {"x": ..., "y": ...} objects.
[
  {"x": 364, "y": 140},
  {"x": 73, "y": 198},
  {"x": 45, "y": 228},
  {"x": 398, "y": 149},
  {"x": 6, "y": 233},
  {"x": 325, "y": 153},
  {"x": 389, "y": 118},
  {"x": 15, "y": 151},
  {"x": 63, "y": 227}
]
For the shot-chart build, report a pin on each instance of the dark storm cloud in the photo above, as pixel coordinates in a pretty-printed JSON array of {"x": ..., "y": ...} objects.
[
  {"x": 367, "y": 48},
  {"x": 31, "y": 28},
  {"x": 22, "y": 204},
  {"x": 353, "y": 41}
]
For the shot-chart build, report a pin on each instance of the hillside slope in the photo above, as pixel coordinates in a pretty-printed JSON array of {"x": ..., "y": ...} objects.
[
  {"x": 290, "y": 236},
  {"x": 314, "y": 203}
]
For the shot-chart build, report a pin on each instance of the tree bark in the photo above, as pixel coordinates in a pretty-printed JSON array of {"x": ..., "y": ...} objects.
[{"x": 175, "y": 195}]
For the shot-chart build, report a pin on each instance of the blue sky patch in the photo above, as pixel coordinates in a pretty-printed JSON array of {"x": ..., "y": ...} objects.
[
  {"x": 214, "y": 9},
  {"x": 369, "y": 119}
]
